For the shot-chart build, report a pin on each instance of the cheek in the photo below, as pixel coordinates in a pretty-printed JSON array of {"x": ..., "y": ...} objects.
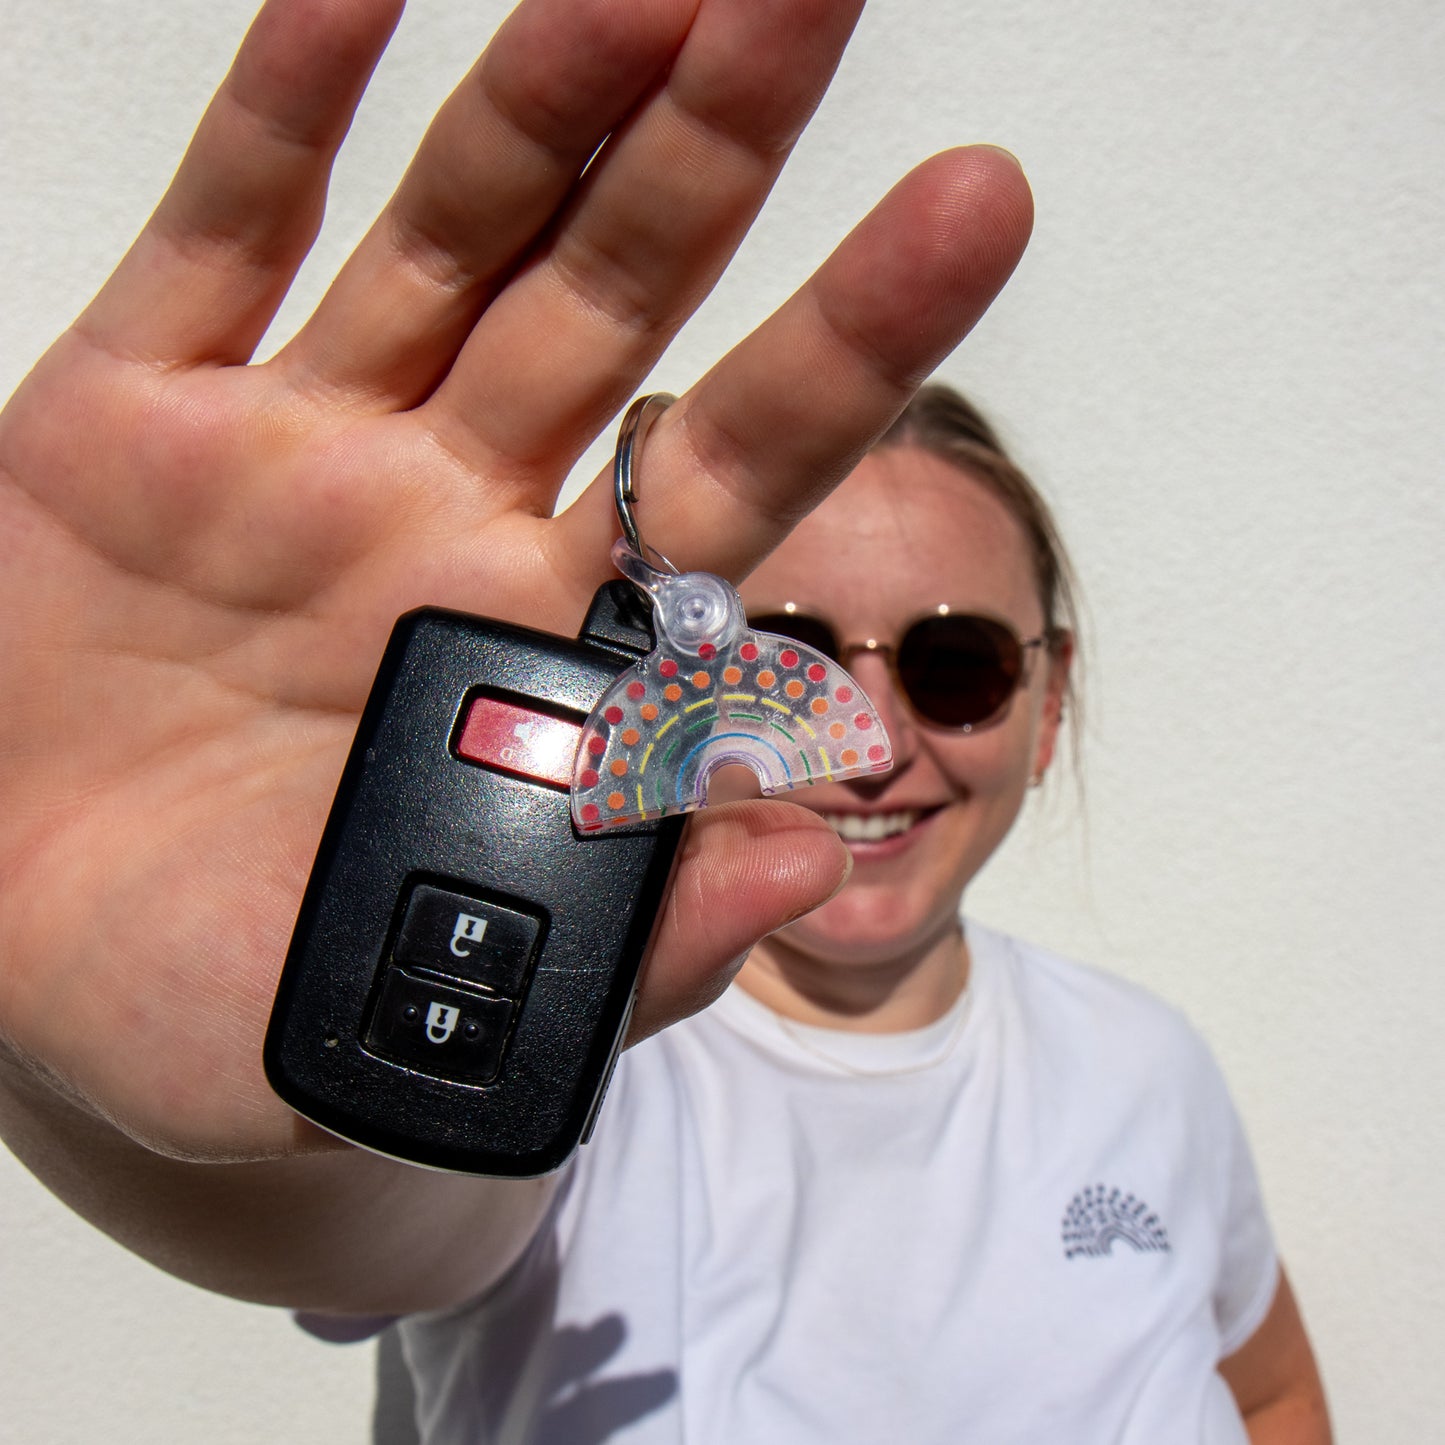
[{"x": 991, "y": 764}]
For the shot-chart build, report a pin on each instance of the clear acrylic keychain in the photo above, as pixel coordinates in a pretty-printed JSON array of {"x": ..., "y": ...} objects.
[{"x": 712, "y": 693}]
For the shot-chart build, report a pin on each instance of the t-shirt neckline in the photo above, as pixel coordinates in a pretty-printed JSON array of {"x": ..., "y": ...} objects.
[{"x": 843, "y": 1052}]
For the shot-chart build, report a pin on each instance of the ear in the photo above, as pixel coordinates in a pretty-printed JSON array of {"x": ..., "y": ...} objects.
[{"x": 1060, "y": 657}]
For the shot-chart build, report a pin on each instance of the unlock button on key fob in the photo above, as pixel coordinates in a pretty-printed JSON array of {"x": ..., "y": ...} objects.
[{"x": 467, "y": 938}]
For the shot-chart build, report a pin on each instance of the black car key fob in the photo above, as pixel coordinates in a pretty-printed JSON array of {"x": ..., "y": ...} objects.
[{"x": 464, "y": 961}]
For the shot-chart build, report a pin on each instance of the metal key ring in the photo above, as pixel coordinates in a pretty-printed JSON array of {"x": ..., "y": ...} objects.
[{"x": 636, "y": 423}]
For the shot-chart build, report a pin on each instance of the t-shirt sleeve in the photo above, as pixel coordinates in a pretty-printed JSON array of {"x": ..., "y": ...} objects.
[{"x": 1248, "y": 1260}]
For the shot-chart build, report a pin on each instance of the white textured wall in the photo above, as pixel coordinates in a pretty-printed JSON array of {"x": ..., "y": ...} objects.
[{"x": 1224, "y": 359}]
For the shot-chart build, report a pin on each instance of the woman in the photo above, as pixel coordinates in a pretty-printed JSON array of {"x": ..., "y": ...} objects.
[
  {"x": 907, "y": 1179},
  {"x": 202, "y": 559}
]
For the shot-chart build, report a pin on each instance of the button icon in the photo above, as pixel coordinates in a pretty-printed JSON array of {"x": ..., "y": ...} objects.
[
  {"x": 520, "y": 741},
  {"x": 447, "y": 1031},
  {"x": 468, "y": 928},
  {"x": 441, "y": 1020}
]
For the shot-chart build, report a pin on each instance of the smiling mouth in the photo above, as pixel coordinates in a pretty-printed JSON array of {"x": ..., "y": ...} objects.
[{"x": 874, "y": 827}]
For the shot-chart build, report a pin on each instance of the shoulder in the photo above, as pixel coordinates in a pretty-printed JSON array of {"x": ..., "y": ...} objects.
[
  {"x": 1099, "y": 1022},
  {"x": 1054, "y": 984}
]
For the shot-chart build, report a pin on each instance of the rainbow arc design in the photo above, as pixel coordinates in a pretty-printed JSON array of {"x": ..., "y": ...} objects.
[{"x": 790, "y": 714}]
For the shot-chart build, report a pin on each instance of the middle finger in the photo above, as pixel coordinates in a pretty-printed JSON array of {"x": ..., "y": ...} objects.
[
  {"x": 495, "y": 164},
  {"x": 646, "y": 235}
]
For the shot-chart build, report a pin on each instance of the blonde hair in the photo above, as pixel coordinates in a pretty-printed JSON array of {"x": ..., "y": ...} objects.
[{"x": 945, "y": 423}]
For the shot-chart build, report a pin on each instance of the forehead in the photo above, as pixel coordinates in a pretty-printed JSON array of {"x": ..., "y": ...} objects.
[{"x": 903, "y": 534}]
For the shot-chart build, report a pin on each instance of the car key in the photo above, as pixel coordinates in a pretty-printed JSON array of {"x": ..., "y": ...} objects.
[
  {"x": 463, "y": 964},
  {"x": 466, "y": 953}
]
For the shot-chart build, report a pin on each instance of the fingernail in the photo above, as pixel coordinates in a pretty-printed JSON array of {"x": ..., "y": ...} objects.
[
  {"x": 999, "y": 150},
  {"x": 847, "y": 874}
]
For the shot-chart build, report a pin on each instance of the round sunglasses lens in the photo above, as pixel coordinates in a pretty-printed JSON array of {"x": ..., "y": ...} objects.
[
  {"x": 795, "y": 626},
  {"x": 959, "y": 671}
]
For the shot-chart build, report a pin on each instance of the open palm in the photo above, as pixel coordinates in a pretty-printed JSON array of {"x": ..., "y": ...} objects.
[{"x": 202, "y": 556}]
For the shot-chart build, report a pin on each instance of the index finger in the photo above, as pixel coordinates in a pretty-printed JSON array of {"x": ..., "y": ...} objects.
[{"x": 762, "y": 438}]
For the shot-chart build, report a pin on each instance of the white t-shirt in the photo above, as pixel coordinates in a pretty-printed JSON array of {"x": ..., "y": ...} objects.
[{"x": 1035, "y": 1220}]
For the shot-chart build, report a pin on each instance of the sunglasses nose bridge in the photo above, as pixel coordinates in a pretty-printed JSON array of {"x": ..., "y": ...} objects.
[{"x": 847, "y": 651}]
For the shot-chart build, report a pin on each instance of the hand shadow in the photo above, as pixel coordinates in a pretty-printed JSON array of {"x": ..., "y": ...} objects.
[
  {"x": 577, "y": 1412},
  {"x": 587, "y": 1412}
]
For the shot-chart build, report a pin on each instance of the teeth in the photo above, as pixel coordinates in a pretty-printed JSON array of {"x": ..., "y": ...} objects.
[{"x": 872, "y": 828}]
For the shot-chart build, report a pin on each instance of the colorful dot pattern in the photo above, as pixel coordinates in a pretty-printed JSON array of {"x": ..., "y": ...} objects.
[{"x": 792, "y": 715}]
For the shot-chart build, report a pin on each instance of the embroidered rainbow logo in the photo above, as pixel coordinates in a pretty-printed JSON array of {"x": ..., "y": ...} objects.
[
  {"x": 1097, "y": 1218},
  {"x": 790, "y": 714}
]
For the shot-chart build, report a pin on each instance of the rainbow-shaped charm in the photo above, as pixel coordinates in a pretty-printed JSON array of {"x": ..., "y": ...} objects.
[{"x": 713, "y": 693}]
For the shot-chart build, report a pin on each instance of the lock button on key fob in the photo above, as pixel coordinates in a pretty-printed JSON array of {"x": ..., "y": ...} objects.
[{"x": 438, "y": 1028}]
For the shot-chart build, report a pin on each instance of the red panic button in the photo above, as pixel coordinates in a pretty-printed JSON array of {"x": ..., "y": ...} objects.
[{"x": 515, "y": 739}]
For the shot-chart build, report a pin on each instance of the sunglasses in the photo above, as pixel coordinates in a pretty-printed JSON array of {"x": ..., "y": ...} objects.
[{"x": 954, "y": 670}]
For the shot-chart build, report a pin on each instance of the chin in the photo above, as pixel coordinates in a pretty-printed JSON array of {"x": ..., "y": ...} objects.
[{"x": 864, "y": 925}]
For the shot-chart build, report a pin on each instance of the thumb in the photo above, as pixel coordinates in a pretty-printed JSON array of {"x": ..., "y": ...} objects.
[{"x": 745, "y": 870}]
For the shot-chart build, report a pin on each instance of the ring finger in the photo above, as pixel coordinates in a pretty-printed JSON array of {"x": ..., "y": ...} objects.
[{"x": 654, "y": 223}]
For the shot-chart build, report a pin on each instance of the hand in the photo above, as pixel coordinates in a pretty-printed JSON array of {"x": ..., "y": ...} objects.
[{"x": 203, "y": 556}]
